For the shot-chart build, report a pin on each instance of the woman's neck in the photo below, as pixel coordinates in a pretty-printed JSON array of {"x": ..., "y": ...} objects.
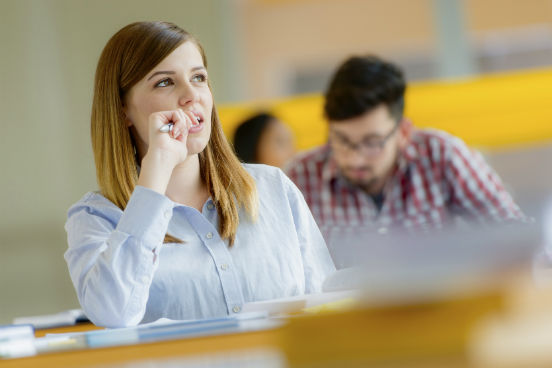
[{"x": 186, "y": 185}]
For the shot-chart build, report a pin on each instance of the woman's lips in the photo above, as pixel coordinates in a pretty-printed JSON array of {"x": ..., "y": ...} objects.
[
  {"x": 197, "y": 126},
  {"x": 198, "y": 118},
  {"x": 196, "y": 121}
]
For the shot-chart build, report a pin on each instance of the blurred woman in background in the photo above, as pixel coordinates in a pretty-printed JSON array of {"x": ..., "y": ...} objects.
[{"x": 264, "y": 139}]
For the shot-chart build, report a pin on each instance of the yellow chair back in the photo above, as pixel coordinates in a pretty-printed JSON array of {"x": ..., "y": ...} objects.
[{"x": 489, "y": 111}]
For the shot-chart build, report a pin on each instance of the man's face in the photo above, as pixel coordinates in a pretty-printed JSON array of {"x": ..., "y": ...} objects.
[{"x": 366, "y": 147}]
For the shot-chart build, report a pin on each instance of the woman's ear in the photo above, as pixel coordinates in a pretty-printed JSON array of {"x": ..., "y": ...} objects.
[
  {"x": 125, "y": 116},
  {"x": 405, "y": 132}
]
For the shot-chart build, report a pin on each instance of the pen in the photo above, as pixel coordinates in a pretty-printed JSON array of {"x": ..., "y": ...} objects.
[
  {"x": 166, "y": 128},
  {"x": 169, "y": 127}
]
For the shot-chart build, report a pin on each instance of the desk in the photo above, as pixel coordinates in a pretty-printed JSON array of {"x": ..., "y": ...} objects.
[
  {"x": 436, "y": 334},
  {"x": 359, "y": 337},
  {"x": 270, "y": 339}
]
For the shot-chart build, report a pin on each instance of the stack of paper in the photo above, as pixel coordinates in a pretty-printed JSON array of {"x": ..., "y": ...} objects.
[
  {"x": 65, "y": 318},
  {"x": 16, "y": 341}
]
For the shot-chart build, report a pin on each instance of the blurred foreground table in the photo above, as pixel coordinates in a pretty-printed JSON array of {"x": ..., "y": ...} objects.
[{"x": 488, "y": 329}]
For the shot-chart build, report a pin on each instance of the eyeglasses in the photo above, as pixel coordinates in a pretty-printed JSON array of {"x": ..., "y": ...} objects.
[{"x": 369, "y": 147}]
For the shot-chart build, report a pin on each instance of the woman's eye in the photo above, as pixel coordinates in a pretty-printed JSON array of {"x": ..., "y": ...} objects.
[
  {"x": 199, "y": 78},
  {"x": 164, "y": 83}
]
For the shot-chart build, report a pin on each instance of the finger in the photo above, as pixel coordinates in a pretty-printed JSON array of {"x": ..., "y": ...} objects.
[
  {"x": 182, "y": 125},
  {"x": 194, "y": 120},
  {"x": 173, "y": 122},
  {"x": 161, "y": 122}
]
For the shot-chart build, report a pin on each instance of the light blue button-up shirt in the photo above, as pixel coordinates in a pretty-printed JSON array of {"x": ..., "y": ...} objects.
[{"x": 125, "y": 275}]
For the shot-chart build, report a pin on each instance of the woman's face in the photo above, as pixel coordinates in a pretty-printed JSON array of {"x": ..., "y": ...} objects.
[
  {"x": 177, "y": 82},
  {"x": 276, "y": 145}
]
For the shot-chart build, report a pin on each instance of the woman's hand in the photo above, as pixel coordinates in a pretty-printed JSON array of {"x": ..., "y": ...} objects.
[
  {"x": 171, "y": 145},
  {"x": 165, "y": 150}
]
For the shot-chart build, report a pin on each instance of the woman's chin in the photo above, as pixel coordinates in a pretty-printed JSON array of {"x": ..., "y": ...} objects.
[{"x": 195, "y": 147}]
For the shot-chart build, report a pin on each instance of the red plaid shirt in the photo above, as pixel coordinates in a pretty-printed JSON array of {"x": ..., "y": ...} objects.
[{"x": 437, "y": 179}]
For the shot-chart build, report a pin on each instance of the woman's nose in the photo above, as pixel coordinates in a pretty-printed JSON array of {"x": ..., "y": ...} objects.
[{"x": 187, "y": 95}]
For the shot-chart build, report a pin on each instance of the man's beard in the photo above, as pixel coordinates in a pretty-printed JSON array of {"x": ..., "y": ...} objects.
[{"x": 368, "y": 185}]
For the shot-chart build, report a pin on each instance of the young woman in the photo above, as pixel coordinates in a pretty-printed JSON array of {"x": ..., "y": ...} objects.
[
  {"x": 264, "y": 139},
  {"x": 179, "y": 228}
]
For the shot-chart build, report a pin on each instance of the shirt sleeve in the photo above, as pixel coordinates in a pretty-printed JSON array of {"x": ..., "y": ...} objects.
[
  {"x": 112, "y": 257},
  {"x": 317, "y": 263},
  {"x": 476, "y": 190}
]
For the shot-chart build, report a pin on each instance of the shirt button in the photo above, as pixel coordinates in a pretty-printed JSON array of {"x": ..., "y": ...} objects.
[
  {"x": 168, "y": 213},
  {"x": 144, "y": 279},
  {"x": 210, "y": 206},
  {"x": 224, "y": 266},
  {"x": 209, "y": 235},
  {"x": 383, "y": 230},
  {"x": 236, "y": 309}
]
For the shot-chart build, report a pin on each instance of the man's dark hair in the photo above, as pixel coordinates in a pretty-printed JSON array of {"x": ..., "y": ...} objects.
[
  {"x": 362, "y": 83},
  {"x": 248, "y": 135}
]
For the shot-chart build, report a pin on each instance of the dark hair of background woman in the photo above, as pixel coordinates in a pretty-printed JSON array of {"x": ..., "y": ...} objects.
[{"x": 248, "y": 135}]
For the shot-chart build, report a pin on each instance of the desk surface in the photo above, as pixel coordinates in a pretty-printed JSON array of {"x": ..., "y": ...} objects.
[
  {"x": 419, "y": 333},
  {"x": 433, "y": 334},
  {"x": 270, "y": 339}
]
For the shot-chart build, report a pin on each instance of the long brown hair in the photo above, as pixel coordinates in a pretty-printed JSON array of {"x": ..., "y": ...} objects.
[{"x": 127, "y": 57}]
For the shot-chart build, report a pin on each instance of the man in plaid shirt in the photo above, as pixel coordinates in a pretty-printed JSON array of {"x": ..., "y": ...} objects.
[{"x": 378, "y": 171}]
